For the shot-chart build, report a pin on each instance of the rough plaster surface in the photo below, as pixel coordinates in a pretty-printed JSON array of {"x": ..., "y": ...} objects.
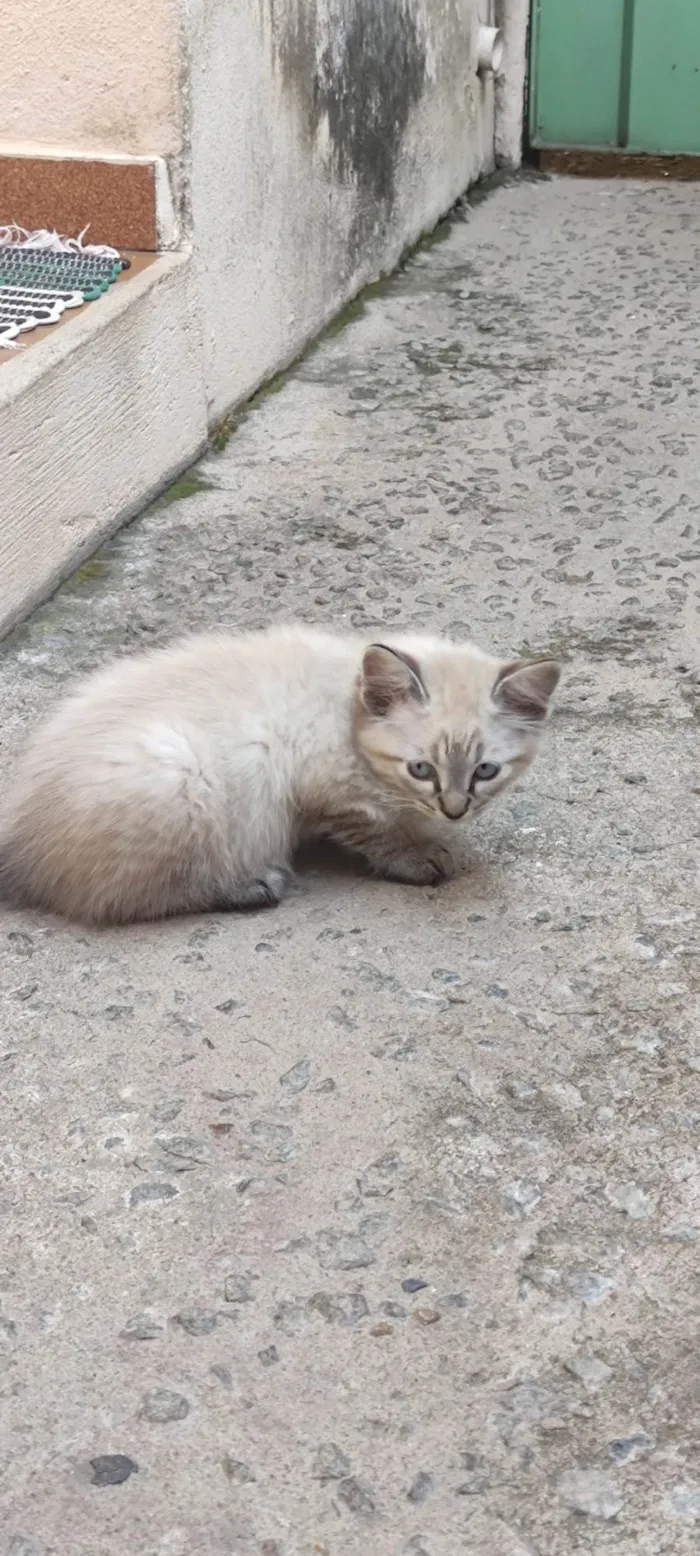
[
  {"x": 326, "y": 136},
  {"x": 93, "y": 420},
  {"x": 88, "y": 81},
  {"x": 512, "y": 16},
  {"x": 371, "y": 1225}
]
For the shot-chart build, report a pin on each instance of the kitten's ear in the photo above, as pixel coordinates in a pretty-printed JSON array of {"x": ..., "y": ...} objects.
[
  {"x": 388, "y": 679},
  {"x": 523, "y": 689}
]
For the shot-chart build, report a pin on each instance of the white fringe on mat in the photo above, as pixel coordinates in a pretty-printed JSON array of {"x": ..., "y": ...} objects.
[
  {"x": 53, "y": 243},
  {"x": 43, "y": 239}
]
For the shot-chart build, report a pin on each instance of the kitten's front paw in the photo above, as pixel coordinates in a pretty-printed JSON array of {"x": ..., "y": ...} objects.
[
  {"x": 260, "y": 891},
  {"x": 418, "y": 869},
  {"x": 442, "y": 861}
]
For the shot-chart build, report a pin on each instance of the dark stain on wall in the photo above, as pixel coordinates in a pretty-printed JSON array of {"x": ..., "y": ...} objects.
[{"x": 363, "y": 69}]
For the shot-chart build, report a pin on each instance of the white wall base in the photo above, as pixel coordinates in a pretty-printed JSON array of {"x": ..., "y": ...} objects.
[
  {"x": 94, "y": 420},
  {"x": 513, "y": 18}
]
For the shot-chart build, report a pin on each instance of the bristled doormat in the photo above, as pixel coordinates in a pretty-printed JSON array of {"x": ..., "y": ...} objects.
[{"x": 42, "y": 274}]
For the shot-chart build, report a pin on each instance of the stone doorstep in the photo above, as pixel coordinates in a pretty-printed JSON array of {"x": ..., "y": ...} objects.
[{"x": 97, "y": 416}]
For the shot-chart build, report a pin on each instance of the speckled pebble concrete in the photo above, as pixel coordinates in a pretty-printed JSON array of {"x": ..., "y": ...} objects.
[{"x": 370, "y": 1227}]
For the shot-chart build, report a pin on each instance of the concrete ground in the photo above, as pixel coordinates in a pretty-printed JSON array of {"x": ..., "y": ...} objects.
[{"x": 369, "y": 1227}]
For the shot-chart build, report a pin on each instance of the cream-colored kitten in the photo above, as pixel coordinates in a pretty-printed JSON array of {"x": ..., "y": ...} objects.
[{"x": 182, "y": 780}]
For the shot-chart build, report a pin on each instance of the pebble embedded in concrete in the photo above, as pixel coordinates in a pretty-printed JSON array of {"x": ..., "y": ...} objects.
[
  {"x": 163, "y": 1405},
  {"x": 330, "y": 1463},
  {"x": 421, "y": 1487},
  {"x": 593, "y": 1372},
  {"x": 112, "y": 1469},
  {"x": 590, "y": 1492},
  {"x": 357, "y": 1496},
  {"x": 235, "y": 1470}
]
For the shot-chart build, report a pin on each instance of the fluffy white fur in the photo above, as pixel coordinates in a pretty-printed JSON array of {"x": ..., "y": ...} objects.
[{"x": 183, "y": 779}]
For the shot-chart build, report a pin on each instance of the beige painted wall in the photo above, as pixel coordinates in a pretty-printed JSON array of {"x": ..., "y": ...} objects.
[{"x": 93, "y": 78}]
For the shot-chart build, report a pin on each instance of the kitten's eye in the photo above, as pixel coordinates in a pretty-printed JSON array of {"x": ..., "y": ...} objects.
[
  {"x": 486, "y": 770},
  {"x": 423, "y": 771}
]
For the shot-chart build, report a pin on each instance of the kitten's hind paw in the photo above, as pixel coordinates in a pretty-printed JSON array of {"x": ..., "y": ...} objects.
[
  {"x": 418, "y": 868},
  {"x": 265, "y": 890}
]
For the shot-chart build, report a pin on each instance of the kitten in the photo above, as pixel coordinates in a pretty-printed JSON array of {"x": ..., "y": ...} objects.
[{"x": 183, "y": 779}]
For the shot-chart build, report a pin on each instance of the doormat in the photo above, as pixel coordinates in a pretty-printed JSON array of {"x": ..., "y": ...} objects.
[{"x": 42, "y": 274}]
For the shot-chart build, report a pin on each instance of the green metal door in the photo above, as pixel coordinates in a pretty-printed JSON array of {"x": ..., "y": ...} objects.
[{"x": 616, "y": 74}]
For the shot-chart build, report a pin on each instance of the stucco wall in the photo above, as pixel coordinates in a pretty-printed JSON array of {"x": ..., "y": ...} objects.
[
  {"x": 326, "y": 135},
  {"x": 512, "y": 16},
  {"x": 92, "y": 78}
]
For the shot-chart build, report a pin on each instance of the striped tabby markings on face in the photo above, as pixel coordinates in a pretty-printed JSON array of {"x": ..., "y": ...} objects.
[{"x": 449, "y": 739}]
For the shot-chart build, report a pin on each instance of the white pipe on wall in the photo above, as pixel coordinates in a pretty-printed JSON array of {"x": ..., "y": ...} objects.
[{"x": 489, "y": 49}]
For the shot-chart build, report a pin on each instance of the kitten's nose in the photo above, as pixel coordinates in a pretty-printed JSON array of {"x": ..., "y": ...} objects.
[{"x": 453, "y": 804}]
